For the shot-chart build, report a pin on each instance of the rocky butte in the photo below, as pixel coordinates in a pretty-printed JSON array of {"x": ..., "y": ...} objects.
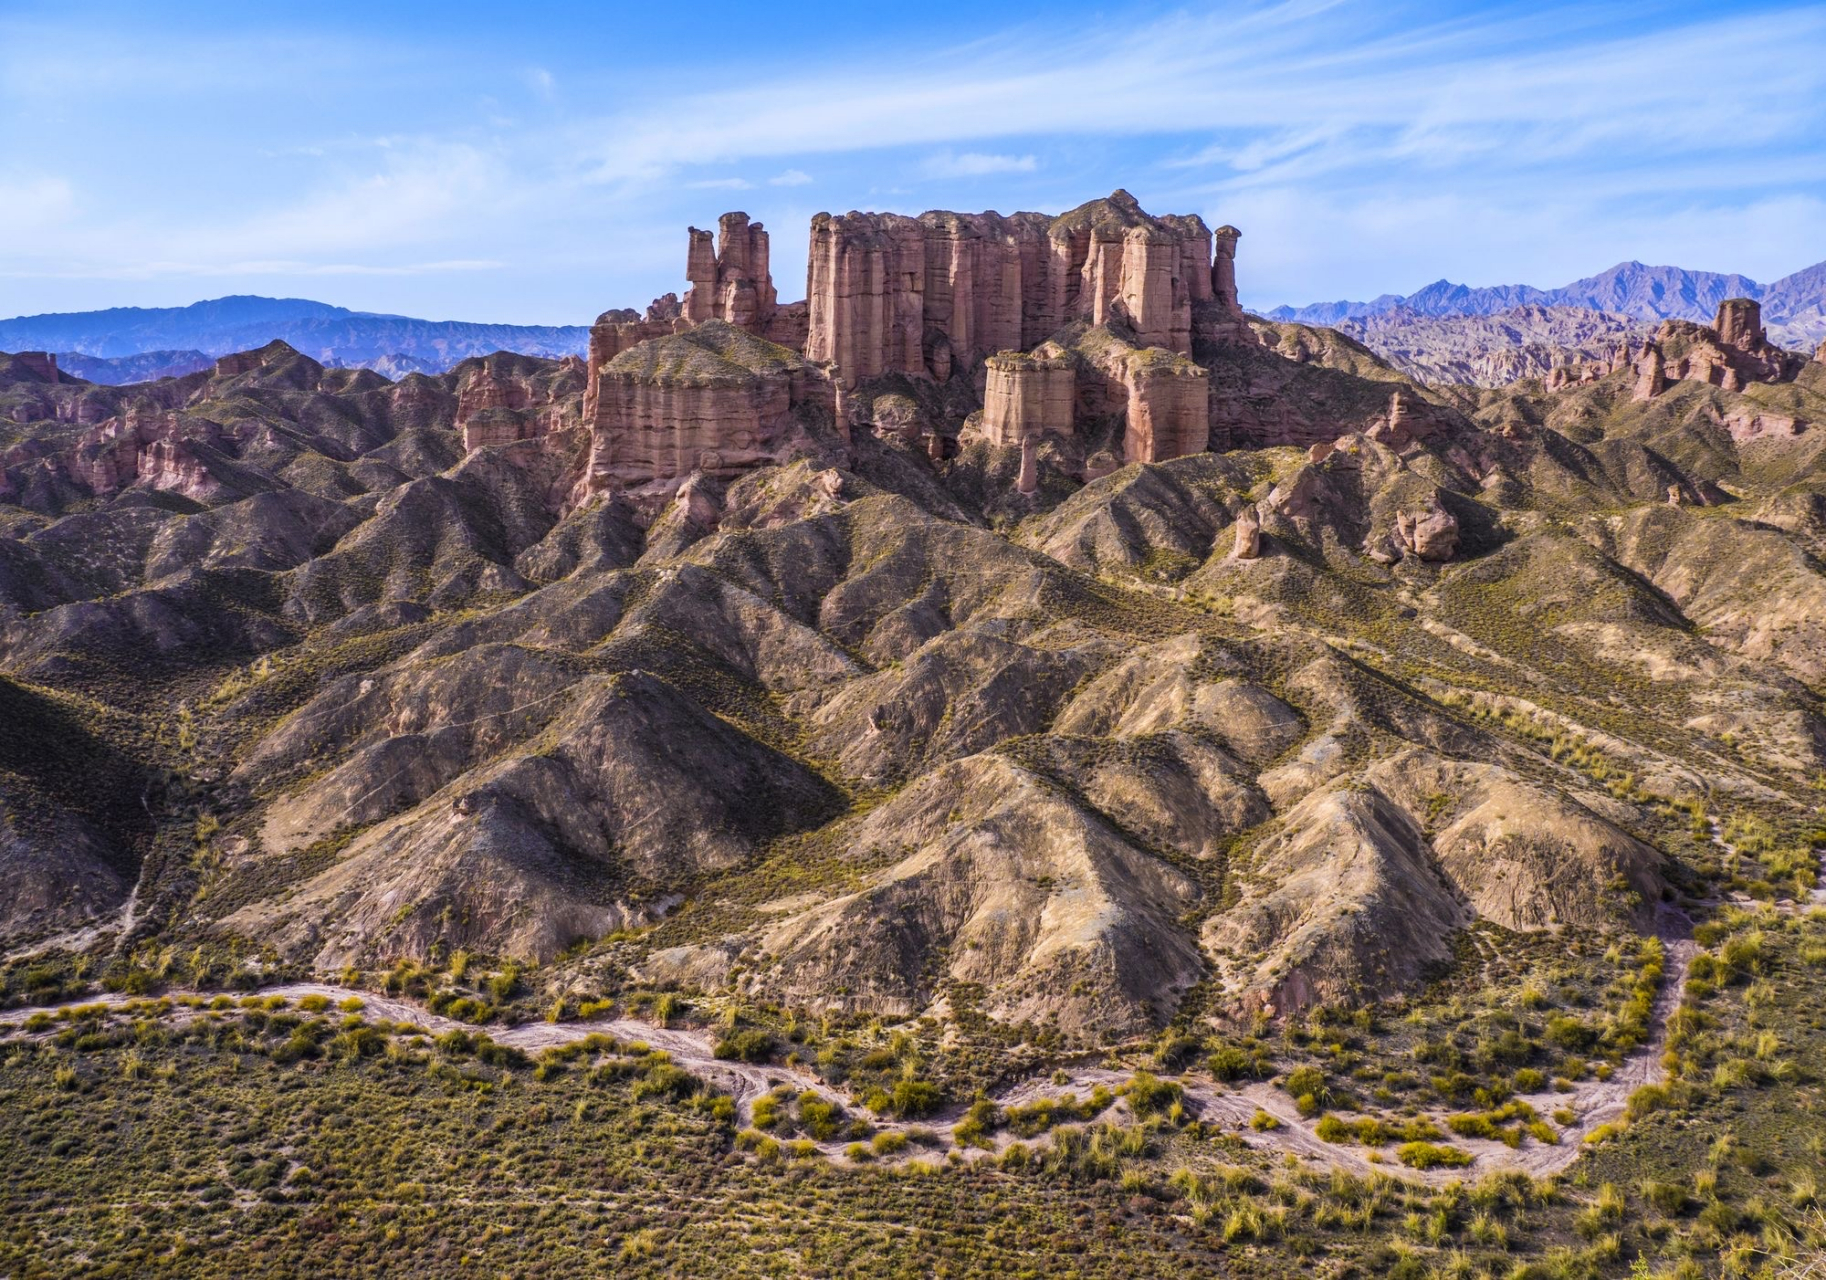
[{"x": 945, "y": 327}]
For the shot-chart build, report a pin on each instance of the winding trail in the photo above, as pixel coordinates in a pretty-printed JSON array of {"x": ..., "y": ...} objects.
[
  {"x": 1596, "y": 1102},
  {"x": 1214, "y": 1103}
]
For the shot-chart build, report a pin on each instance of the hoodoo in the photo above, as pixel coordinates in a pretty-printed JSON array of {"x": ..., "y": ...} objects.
[{"x": 1046, "y": 320}]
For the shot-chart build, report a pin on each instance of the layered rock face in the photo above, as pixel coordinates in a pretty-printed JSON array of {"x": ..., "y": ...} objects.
[
  {"x": 730, "y": 281},
  {"x": 41, "y": 363},
  {"x": 148, "y": 448},
  {"x": 1740, "y": 325},
  {"x": 1027, "y": 395},
  {"x": 935, "y": 297},
  {"x": 940, "y": 293},
  {"x": 714, "y": 398},
  {"x": 1169, "y": 407},
  {"x": 500, "y": 401}
]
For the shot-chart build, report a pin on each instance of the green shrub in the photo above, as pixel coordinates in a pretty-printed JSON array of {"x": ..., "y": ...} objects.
[
  {"x": 1428, "y": 1155},
  {"x": 916, "y": 1099},
  {"x": 751, "y": 1044},
  {"x": 819, "y": 1117},
  {"x": 1148, "y": 1094}
]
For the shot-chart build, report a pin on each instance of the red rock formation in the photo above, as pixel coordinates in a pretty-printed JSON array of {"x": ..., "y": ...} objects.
[
  {"x": 1248, "y": 534},
  {"x": 865, "y": 283},
  {"x": 1409, "y": 420},
  {"x": 1651, "y": 374},
  {"x": 1731, "y": 353},
  {"x": 731, "y": 281},
  {"x": 940, "y": 293},
  {"x": 713, "y": 398},
  {"x": 1028, "y": 481},
  {"x": 504, "y": 398},
  {"x": 1027, "y": 395},
  {"x": 1820, "y": 355},
  {"x": 1169, "y": 407},
  {"x": 1431, "y": 533},
  {"x": 1740, "y": 324},
  {"x": 158, "y": 450}
]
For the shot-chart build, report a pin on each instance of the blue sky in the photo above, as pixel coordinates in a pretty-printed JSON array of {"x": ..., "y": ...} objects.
[{"x": 539, "y": 163}]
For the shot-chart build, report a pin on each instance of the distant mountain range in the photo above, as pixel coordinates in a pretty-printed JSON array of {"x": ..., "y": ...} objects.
[
  {"x": 1794, "y": 307},
  {"x": 330, "y": 334}
]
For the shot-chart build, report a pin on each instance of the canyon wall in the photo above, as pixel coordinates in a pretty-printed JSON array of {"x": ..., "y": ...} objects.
[{"x": 944, "y": 291}]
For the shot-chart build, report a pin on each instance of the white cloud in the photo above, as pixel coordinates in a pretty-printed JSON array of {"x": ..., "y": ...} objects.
[
  {"x": 791, "y": 178},
  {"x": 720, "y": 184},
  {"x": 544, "y": 84},
  {"x": 33, "y": 204},
  {"x": 973, "y": 164}
]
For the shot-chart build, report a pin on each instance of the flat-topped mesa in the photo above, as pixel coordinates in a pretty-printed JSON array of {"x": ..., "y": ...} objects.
[
  {"x": 1169, "y": 407},
  {"x": 940, "y": 293},
  {"x": 730, "y": 281},
  {"x": 713, "y": 398},
  {"x": 1027, "y": 395}
]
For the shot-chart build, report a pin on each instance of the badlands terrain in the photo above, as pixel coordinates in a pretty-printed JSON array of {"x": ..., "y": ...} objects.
[{"x": 1009, "y": 765}]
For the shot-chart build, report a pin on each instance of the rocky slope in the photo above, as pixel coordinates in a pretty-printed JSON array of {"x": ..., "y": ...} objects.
[
  {"x": 1497, "y": 349},
  {"x": 1012, "y": 732}
]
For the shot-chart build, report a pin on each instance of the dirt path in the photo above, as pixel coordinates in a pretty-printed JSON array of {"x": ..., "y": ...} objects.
[
  {"x": 1232, "y": 1108},
  {"x": 1596, "y": 1102}
]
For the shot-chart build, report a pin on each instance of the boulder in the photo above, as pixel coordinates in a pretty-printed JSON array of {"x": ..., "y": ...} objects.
[
  {"x": 1248, "y": 534},
  {"x": 1430, "y": 533}
]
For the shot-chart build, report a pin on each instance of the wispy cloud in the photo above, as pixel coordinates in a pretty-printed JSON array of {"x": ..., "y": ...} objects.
[
  {"x": 1362, "y": 147},
  {"x": 975, "y": 164}
]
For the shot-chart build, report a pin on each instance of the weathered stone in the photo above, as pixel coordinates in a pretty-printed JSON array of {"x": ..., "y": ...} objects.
[
  {"x": 1169, "y": 407},
  {"x": 1651, "y": 374},
  {"x": 1248, "y": 534},
  {"x": 1410, "y": 419},
  {"x": 500, "y": 402},
  {"x": 732, "y": 281},
  {"x": 714, "y": 398},
  {"x": 1740, "y": 324},
  {"x": 938, "y": 294},
  {"x": 1029, "y": 479},
  {"x": 1431, "y": 533},
  {"x": 1026, "y": 395}
]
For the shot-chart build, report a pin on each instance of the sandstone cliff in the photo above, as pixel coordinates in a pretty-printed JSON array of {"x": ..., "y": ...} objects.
[
  {"x": 940, "y": 293},
  {"x": 714, "y": 398}
]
